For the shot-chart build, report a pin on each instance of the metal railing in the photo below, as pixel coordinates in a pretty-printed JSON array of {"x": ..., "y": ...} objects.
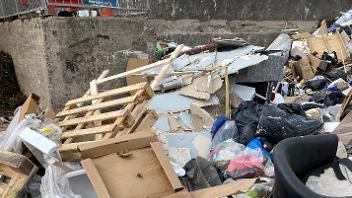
[{"x": 9, "y": 8}]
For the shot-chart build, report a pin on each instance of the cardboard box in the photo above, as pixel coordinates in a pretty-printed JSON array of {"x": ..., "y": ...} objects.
[
  {"x": 304, "y": 69},
  {"x": 329, "y": 44},
  {"x": 132, "y": 167},
  {"x": 317, "y": 62},
  {"x": 30, "y": 105}
]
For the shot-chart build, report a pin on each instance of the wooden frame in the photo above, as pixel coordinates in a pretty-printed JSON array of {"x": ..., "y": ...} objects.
[
  {"x": 152, "y": 178},
  {"x": 18, "y": 170},
  {"x": 99, "y": 116}
]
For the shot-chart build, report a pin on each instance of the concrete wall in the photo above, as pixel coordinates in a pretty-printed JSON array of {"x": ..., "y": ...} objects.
[
  {"x": 24, "y": 40},
  {"x": 247, "y": 9},
  {"x": 58, "y": 57},
  {"x": 79, "y": 49}
]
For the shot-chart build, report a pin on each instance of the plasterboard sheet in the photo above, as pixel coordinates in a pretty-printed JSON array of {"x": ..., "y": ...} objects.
[
  {"x": 174, "y": 101},
  {"x": 205, "y": 60},
  {"x": 244, "y": 92},
  {"x": 187, "y": 140},
  {"x": 184, "y": 118}
]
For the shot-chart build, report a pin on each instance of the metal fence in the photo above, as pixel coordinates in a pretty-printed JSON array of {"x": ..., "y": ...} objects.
[{"x": 10, "y": 8}]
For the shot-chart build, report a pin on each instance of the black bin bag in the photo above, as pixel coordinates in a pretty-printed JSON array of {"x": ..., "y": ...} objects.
[{"x": 275, "y": 124}]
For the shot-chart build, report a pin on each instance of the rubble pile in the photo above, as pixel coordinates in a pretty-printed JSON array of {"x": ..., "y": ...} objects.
[{"x": 201, "y": 121}]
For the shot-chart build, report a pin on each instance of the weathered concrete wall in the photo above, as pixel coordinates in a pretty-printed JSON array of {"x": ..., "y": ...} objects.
[
  {"x": 195, "y": 32},
  {"x": 79, "y": 49},
  {"x": 24, "y": 40},
  {"x": 247, "y": 9},
  {"x": 58, "y": 57}
]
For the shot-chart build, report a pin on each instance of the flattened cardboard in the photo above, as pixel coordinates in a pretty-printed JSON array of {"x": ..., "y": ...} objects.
[
  {"x": 301, "y": 36},
  {"x": 200, "y": 118},
  {"x": 165, "y": 164},
  {"x": 30, "y": 105},
  {"x": 329, "y": 44},
  {"x": 217, "y": 191},
  {"x": 145, "y": 172},
  {"x": 134, "y": 63},
  {"x": 95, "y": 178}
]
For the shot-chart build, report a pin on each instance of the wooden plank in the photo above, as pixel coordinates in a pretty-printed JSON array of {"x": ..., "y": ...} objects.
[
  {"x": 94, "y": 91},
  {"x": 102, "y": 75},
  {"x": 92, "y": 118},
  {"x": 163, "y": 70},
  {"x": 118, "y": 144},
  {"x": 89, "y": 131},
  {"x": 73, "y": 146},
  {"x": 106, "y": 94},
  {"x": 80, "y": 126},
  {"x": 95, "y": 178},
  {"x": 118, "y": 122},
  {"x": 165, "y": 164},
  {"x": 98, "y": 106},
  {"x": 227, "y": 92},
  {"x": 134, "y": 71},
  {"x": 225, "y": 190}
]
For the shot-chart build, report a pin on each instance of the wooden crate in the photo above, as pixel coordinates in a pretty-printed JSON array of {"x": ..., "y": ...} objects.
[{"x": 102, "y": 116}]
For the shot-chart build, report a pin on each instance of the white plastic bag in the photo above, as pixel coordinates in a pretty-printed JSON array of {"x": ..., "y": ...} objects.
[
  {"x": 9, "y": 140},
  {"x": 55, "y": 184}
]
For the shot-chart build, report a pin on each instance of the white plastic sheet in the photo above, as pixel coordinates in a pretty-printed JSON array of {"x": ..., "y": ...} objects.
[
  {"x": 9, "y": 140},
  {"x": 55, "y": 184}
]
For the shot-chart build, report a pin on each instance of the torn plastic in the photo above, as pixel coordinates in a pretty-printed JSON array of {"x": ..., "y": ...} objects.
[
  {"x": 250, "y": 163},
  {"x": 332, "y": 114},
  {"x": 9, "y": 141},
  {"x": 180, "y": 172},
  {"x": 218, "y": 122},
  {"x": 201, "y": 174},
  {"x": 225, "y": 152},
  {"x": 257, "y": 143},
  {"x": 55, "y": 184},
  {"x": 227, "y": 131}
]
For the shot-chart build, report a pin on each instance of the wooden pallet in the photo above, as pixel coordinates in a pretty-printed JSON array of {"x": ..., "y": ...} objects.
[
  {"x": 16, "y": 170},
  {"x": 100, "y": 116}
]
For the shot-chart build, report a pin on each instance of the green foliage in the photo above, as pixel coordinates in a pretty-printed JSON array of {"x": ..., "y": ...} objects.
[{"x": 10, "y": 94}]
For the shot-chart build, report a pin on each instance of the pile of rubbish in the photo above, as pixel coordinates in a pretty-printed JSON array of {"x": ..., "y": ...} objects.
[{"x": 200, "y": 122}]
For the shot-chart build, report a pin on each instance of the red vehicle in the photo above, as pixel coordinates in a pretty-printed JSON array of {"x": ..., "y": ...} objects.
[{"x": 57, "y": 6}]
